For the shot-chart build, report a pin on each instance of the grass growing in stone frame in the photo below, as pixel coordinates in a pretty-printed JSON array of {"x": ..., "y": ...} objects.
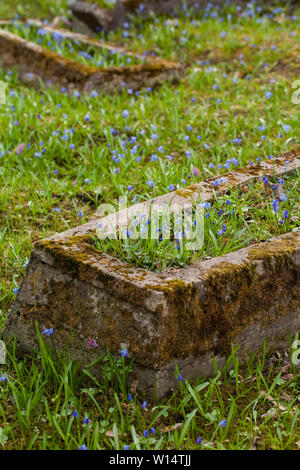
[
  {"x": 48, "y": 402},
  {"x": 252, "y": 213},
  {"x": 61, "y": 156},
  {"x": 72, "y": 49}
]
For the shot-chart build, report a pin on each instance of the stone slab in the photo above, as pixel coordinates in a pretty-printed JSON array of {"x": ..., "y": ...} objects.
[
  {"x": 37, "y": 63},
  {"x": 184, "y": 316}
]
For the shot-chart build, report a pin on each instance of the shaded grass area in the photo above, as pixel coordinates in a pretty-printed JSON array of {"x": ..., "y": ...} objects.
[{"x": 61, "y": 156}]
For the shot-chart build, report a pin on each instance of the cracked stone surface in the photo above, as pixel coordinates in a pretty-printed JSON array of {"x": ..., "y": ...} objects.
[{"x": 181, "y": 316}]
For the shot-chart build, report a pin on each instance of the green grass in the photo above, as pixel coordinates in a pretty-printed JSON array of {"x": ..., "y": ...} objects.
[
  {"x": 243, "y": 216},
  {"x": 45, "y": 399},
  {"x": 62, "y": 156},
  {"x": 33, "y": 9},
  {"x": 73, "y": 49}
]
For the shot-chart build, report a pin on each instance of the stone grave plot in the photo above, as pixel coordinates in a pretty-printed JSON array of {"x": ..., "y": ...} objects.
[
  {"x": 78, "y": 62},
  {"x": 186, "y": 317}
]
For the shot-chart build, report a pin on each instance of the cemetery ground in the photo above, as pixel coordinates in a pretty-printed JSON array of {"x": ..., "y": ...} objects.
[{"x": 63, "y": 154}]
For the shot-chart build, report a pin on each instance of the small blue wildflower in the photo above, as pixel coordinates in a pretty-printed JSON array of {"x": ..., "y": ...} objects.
[
  {"x": 124, "y": 353},
  {"x": 275, "y": 204},
  {"x": 48, "y": 331},
  {"x": 75, "y": 414},
  {"x": 83, "y": 447},
  {"x": 144, "y": 404},
  {"x": 265, "y": 180},
  {"x": 125, "y": 113},
  {"x": 199, "y": 440},
  {"x": 3, "y": 378},
  {"x": 222, "y": 423},
  {"x": 146, "y": 433},
  {"x": 127, "y": 447}
]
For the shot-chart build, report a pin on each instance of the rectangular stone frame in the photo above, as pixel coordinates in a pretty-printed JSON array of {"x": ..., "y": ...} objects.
[
  {"x": 184, "y": 316},
  {"x": 37, "y": 63}
]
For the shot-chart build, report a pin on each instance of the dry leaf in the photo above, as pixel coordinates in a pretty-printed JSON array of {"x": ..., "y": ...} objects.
[
  {"x": 172, "y": 428},
  {"x": 134, "y": 386},
  {"x": 285, "y": 396},
  {"x": 288, "y": 377}
]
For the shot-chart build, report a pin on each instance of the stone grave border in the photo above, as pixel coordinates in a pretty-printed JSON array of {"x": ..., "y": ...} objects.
[
  {"x": 189, "y": 316},
  {"x": 37, "y": 63}
]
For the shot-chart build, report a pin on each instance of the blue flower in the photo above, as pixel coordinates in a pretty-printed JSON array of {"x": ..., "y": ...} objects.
[
  {"x": 199, "y": 440},
  {"x": 144, "y": 404},
  {"x": 275, "y": 204},
  {"x": 146, "y": 433},
  {"x": 222, "y": 423},
  {"x": 48, "y": 331},
  {"x": 83, "y": 447},
  {"x": 265, "y": 180},
  {"x": 3, "y": 378},
  {"x": 124, "y": 353},
  {"x": 179, "y": 378},
  {"x": 125, "y": 113},
  {"x": 127, "y": 447},
  {"x": 150, "y": 183},
  {"x": 75, "y": 414}
]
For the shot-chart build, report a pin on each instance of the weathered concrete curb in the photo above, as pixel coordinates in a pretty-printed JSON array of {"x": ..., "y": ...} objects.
[
  {"x": 185, "y": 316},
  {"x": 36, "y": 63}
]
